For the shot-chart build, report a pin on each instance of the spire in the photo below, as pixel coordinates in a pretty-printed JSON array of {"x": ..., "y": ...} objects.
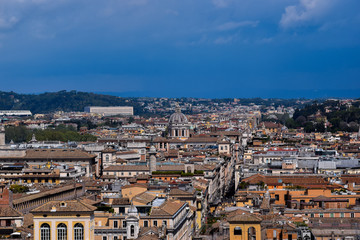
[{"x": 33, "y": 139}]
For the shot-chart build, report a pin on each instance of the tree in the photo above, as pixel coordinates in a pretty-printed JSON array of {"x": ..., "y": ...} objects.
[{"x": 15, "y": 188}]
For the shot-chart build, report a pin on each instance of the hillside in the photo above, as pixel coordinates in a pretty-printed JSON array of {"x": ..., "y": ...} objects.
[
  {"x": 337, "y": 115},
  {"x": 61, "y": 101}
]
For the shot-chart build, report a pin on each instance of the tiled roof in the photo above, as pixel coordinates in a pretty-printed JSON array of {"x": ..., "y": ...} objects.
[
  {"x": 121, "y": 201},
  {"x": 57, "y": 154},
  {"x": 144, "y": 198},
  {"x": 125, "y": 168},
  {"x": 244, "y": 217},
  {"x": 7, "y": 211},
  {"x": 65, "y": 206},
  {"x": 176, "y": 191},
  {"x": 169, "y": 207}
]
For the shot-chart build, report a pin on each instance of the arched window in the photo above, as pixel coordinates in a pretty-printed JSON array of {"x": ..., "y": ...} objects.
[
  {"x": 62, "y": 232},
  {"x": 237, "y": 231},
  {"x": 78, "y": 231},
  {"x": 251, "y": 233},
  {"x": 45, "y": 231},
  {"x": 132, "y": 230}
]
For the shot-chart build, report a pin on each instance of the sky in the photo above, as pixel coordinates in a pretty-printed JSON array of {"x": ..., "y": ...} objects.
[{"x": 182, "y": 48}]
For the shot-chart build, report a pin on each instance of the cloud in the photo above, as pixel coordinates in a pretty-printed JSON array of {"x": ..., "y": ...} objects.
[
  {"x": 9, "y": 22},
  {"x": 221, "y": 3},
  {"x": 224, "y": 40},
  {"x": 233, "y": 25},
  {"x": 306, "y": 12}
]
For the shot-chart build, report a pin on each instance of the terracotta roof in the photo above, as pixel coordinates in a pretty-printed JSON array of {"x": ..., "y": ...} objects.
[
  {"x": 144, "y": 198},
  {"x": 57, "y": 154},
  {"x": 109, "y": 150},
  {"x": 65, "y": 206},
  {"x": 126, "y": 152},
  {"x": 244, "y": 217},
  {"x": 170, "y": 168},
  {"x": 121, "y": 201},
  {"x": 125, "y": 168},
  {"x": 7, "y": 211},
  {"x": 176, "y": 191},
  {"x": 169, "y": 207},
  {"x": 148, "y": 237},
  {"x": 44, "y": 193},
  {"x": 202, "y": 140}
]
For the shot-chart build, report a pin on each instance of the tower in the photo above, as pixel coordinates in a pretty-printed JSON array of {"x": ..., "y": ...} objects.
[
  {"x": 132, "y": 223},
  {"x": 152, "y": 159},
  {"x": 2, "y": 136}
]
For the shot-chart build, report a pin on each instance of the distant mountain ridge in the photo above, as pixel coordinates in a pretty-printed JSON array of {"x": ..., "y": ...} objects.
[{"x": 61, "y": 101}]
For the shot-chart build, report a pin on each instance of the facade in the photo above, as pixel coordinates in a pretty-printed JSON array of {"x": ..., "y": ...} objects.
[
  {"x": 110, "y": 111},
  {"x": 245, "y": 227},
  {"x": 165, "y": 219},
  {"x": 15, "y": 113},
  {"x": 45, "y": 158},
  {"x": 64, "y": 220}
]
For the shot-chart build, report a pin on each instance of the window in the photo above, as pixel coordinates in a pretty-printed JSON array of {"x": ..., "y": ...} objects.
[
  {"x": 237, "y": 231},
  {"x": 45, "y": 231},
  {"x": 165, "y": 223},
  {"x": 115, "y": 238},
  {"x": 124, "y": 224},
  {"x": 61, "y": 232},
  {"x": 342, "y": 214},
  {"x": 312, "y": 215},
  {"x": 115, "y": 224},
  {"x": 155, "y": 223},
  {"x": 331, "y": 214},
  {"x": 132, "y": 230},
  {"x": 352, "y": 215},
  {"x": 290, "y": 237},
  {"x": 121, "y": 210},
  {"x": 277, "y": 197},
  {"x": 146, "y": 223},
  {"x": 104, "y": 238},
  {"x": 78, "y": 231},
  {"x": 321, "y": 215},
  {"x": 251, "y": 233}
]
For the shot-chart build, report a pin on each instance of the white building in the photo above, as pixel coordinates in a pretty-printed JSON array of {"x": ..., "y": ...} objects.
[{"x": 110, "y": 111}]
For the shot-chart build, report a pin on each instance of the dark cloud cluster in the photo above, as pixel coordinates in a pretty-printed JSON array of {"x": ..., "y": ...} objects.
[{"x": 141, "y": 45}]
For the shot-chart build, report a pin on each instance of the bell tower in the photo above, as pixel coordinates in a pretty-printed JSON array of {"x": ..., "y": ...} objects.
[{"x": 2, "y": 136}]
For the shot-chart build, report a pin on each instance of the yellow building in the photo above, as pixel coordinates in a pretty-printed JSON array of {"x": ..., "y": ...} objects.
[
  {"x": 245, "y": 227},
  {"x": 64, "y": 220}
]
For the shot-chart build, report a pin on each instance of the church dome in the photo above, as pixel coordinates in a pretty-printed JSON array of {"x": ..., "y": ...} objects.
[
  {"x": 178, "y": 117},
  {"x": 133, "y": 209}
]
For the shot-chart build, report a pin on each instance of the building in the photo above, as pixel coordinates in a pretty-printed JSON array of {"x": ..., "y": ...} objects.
[
  {"x": 178, "y": 125},
  {"x": 167, "y": 219},
  {"x": 45, "y": 158},
  {"x": 111, "y": 111},
  {"x": 70, "y": 220},
  {"x": 15, "y": 113}
]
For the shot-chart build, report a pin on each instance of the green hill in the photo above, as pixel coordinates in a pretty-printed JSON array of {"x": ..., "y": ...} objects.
[{"x": 61, "y": 101}]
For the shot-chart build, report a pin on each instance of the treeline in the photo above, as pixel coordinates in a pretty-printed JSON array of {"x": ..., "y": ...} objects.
[
  {"x": 342, "y": 117},
  {"x": 62, "y": 101},
  {"x": 20, "y": 134}
]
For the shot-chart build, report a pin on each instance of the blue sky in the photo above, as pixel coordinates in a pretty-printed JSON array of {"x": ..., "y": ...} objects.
[{"x": 175, "y": 48}]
